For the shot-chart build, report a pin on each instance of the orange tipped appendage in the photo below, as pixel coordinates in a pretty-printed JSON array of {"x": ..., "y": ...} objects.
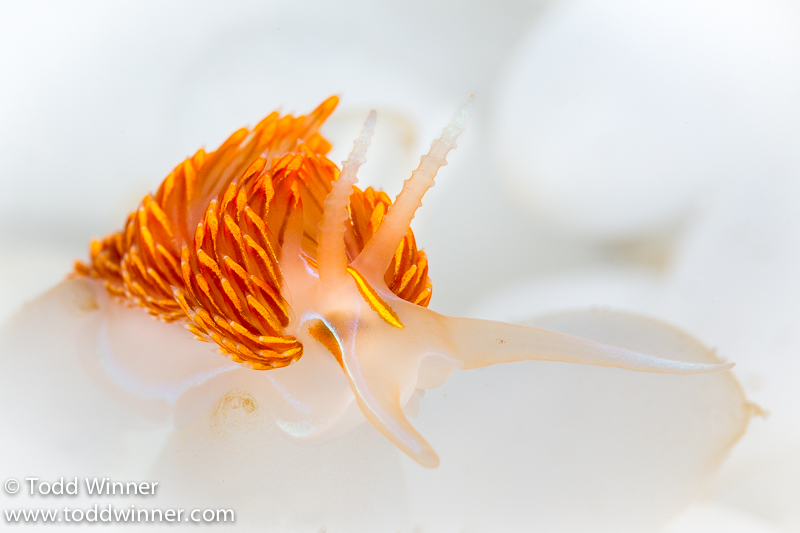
[
  {"x": 142, "y": 262},
  {"x": 231, "y": 276},
  {"x": 207, "y": 248}
]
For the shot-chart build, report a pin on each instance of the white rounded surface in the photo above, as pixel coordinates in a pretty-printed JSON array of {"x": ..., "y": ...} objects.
[
  {"x": 560, "y": 447},
  {"x": 615, "y": 116}
]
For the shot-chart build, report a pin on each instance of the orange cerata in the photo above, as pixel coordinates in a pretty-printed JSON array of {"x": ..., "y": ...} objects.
[{"x": 207, "y": 248}]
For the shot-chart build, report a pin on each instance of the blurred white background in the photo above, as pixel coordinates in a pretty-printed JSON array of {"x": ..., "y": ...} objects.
[{"x": 635, "y": 155}]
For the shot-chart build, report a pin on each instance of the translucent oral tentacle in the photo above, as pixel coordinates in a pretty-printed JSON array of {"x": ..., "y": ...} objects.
[
  {"x": 379, "y": 400},
  {"x": 377, "y": 254},
  {"x": 477, "y": 343},
  {"x": 331, "y": 255},
  {"x": 378, "y": 387}
]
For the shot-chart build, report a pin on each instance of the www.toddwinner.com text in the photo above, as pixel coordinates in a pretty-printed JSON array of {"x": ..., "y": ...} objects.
[{"x": 35, "y": 489}]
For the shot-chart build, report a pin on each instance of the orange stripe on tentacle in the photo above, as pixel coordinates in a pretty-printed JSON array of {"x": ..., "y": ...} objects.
[
  {"x": 374, "y": 300},
  {"x": 321, "y": 333}
]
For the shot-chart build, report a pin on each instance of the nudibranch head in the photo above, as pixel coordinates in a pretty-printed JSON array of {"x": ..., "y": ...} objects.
[
  {"x": 267, "y": 249},
  {"x": 210, "y": 248}
]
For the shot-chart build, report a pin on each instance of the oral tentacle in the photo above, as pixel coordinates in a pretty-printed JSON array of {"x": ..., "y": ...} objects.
[
  {"x": 477, "y": 343},
  {"x": 331, "y": 254},
  {"x": 380, "y": 403},
  {"x": 378, "y": 385},
  {"x": 377, "y": 254}
]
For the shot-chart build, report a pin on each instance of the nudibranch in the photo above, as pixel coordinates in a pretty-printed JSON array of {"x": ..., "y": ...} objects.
[{"x": 267, "y": 250}]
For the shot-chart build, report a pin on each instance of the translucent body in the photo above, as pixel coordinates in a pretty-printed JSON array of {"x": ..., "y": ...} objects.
[{"x": 365, "y": 350}]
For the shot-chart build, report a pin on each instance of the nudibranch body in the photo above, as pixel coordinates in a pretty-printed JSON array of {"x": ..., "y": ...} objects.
[{"x": 267, "y": 250}]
